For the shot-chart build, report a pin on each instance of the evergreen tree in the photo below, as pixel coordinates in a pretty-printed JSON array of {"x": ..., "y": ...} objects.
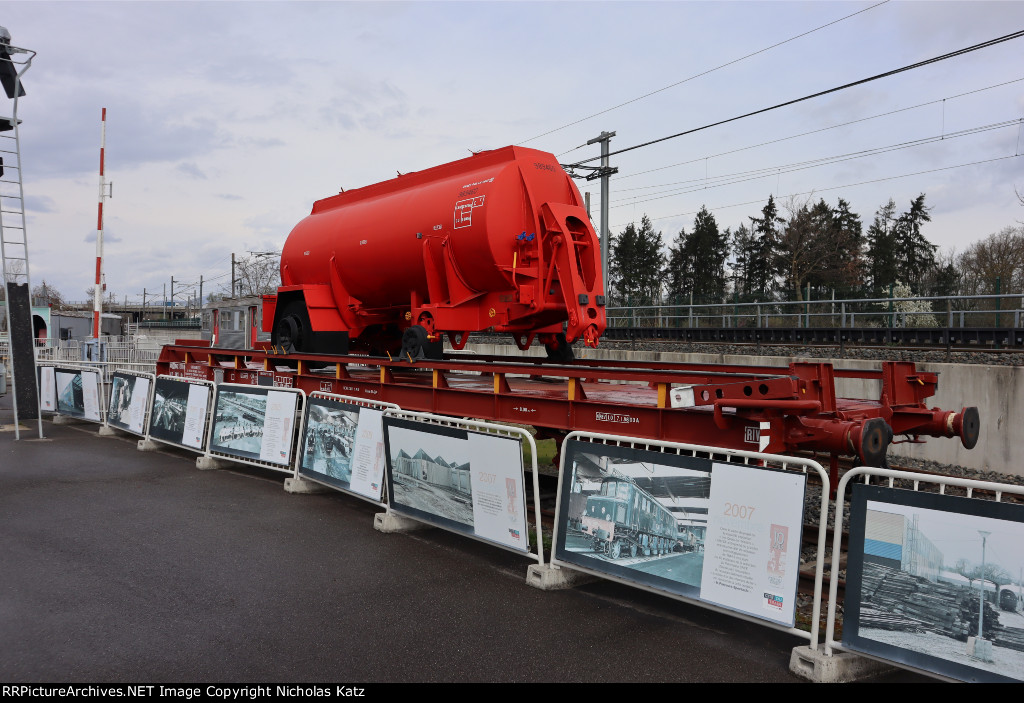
[
  {"x": 706, "y": 249},
  {"x": 916, "y": 254},
  {"x": 744, "y": 252},
  {"x": 845, "y": 267},
  {"x": 636, "y": 264},
  {"x": 881, "y": 255},
  {"x": 679, "y": 270},
  {"x": 762, "y": 256}
]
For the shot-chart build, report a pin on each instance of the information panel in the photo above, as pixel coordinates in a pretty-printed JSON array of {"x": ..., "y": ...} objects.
[
  {"x": 923, "y": 569},
  {"x": 468, "y": 482},
  {"x": 77, "y": 393},
  {"x": 727, "y": 534},
  {"x": 129, "y": 398},
  {"x": 254, "y": 422},
  {"x": 47, "y": 389},
  {"x": 343, "y": 446},
  {"x": 178, "y": 415}
]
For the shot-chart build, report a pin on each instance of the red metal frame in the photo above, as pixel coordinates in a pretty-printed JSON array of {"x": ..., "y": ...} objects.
[{"x": 794, "y": 407}]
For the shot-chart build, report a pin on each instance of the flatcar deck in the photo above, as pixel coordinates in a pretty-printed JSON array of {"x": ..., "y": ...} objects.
[{"x": 762, "y": 408}]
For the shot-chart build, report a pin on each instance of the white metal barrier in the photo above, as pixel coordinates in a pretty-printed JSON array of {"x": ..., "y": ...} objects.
[
  {"x": 748, "y": 458},
  {"x": 149, "y": 401},
  {"x": 361, "y": 402},
  {"x": 207, "y": 419},
  {"x": 891, "y": 475},
  {"x": 487, "y": 428},
  {"x": 299, "y": 412},
  {"x": 100, "y": 389}
]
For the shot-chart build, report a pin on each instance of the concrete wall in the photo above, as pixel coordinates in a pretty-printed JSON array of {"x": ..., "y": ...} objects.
[{"x": 997, "y": 391}]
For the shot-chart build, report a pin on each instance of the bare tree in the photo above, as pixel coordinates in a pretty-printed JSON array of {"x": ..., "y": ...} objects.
[
  {"x": 998, "y": 256},
  {"x": 48, "y": 295},
  {"x": 257, "y": 274}
]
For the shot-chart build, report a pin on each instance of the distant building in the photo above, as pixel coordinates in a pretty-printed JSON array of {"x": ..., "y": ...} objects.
[
  {"x": 434, "y": 470},
  {"x": 892, "y": 540}
]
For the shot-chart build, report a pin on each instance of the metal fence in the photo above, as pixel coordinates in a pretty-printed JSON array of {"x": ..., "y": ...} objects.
[
  {"x": 116, "y": 352},
  {"x": 894, "y": 312}
]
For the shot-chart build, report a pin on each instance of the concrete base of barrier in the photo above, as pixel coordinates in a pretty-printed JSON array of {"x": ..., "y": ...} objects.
[
  {"x": 107, "y": 431},
  {"x": 839, "y": 667},
  {"x": 554, "y": 578},
  {"x": 206, "y": 463},
  {"x": 64, "y": 420},
  {"x": 301, "y": 485},
  {"x": 389, "y": 522},
  {"x": 147, "y": 445}
]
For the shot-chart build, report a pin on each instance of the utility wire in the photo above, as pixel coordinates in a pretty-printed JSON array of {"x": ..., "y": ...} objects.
[
  {"x": 698, "y": 75},
  {"x": 822, "y": 190},
  {"x": 620, "y": 177},
  {"x": 755, "y": 174},
  {"x": 919, "y": 64}
]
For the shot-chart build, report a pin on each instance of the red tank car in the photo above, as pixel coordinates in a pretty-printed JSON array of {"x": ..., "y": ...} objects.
[{"x": 498, "y": 241}]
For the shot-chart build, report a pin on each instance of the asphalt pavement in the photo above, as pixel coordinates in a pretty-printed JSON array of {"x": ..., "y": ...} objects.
[{"x": 124, "y": 566}]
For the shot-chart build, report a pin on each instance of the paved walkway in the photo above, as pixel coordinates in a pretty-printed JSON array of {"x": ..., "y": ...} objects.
[{"x": 125, "y": 566}]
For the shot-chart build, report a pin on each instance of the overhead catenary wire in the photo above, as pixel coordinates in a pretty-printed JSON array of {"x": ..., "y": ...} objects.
[
  {"x": 755, "y": 174},
  {"x": 622, "y": 176},
  {"x": 822, "y": 190},
  {"x": 959, "y": 52},
  {"x": 697, "y": 75}
]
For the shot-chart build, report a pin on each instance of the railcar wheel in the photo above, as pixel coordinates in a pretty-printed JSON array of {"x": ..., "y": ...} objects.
[
  {"x": 616, "y": 550},
  {"x": 559, "y": 350},
  {"x": 632, "y": 550},
  {"x": 414, "y": 340},
  {"x": 292, "y": 331}
]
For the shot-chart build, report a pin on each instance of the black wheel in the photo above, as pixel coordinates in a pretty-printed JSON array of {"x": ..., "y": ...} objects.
[
  {"x": 875, "y": 437},
  {"x": 560, "y": 351},
  {"x": 292, "y": 333},
  {"x": 970, "y": 427},
  {"x": 414, "y": 341}
]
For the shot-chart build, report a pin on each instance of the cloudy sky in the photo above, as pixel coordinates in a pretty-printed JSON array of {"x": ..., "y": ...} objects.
[{"x": 226, "y": 120}]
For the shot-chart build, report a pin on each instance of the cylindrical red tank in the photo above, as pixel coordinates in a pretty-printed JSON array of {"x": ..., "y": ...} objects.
[{"x": 461, "y": 242}]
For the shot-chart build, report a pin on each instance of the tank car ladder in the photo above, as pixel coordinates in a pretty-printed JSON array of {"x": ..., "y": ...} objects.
[{"x": 13, "y": 235}]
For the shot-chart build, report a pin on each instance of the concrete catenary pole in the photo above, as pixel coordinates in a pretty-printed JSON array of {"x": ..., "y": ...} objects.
[
  {"x": 605, "y": 139},
  {"x": 97, "y": 294}
]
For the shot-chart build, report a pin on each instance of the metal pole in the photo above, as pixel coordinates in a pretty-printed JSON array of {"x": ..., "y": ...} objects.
[
  {"x": 981, "y": 601},
  {"x": 97, "y": 294},
  {"x": 604, "y": 138},
  {"x": 232, "y": 275}
]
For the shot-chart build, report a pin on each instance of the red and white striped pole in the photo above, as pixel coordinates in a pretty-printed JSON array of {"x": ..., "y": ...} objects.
[{"x": 97, "y": 296}]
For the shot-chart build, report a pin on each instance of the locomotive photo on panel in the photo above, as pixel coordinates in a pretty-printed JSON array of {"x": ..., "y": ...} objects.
[
  {"x": 239, "y": 422},
  {"x": 641, "y": 520},
  {"x": 430, "y": 471},
  {"x": 330, "y": 438}
]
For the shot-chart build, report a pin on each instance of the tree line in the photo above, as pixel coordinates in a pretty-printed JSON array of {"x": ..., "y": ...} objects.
[{"x": 806, "y": 249}]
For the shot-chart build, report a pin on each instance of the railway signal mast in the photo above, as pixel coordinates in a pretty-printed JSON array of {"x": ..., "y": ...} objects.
[{"x": 97, "y": 294}]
